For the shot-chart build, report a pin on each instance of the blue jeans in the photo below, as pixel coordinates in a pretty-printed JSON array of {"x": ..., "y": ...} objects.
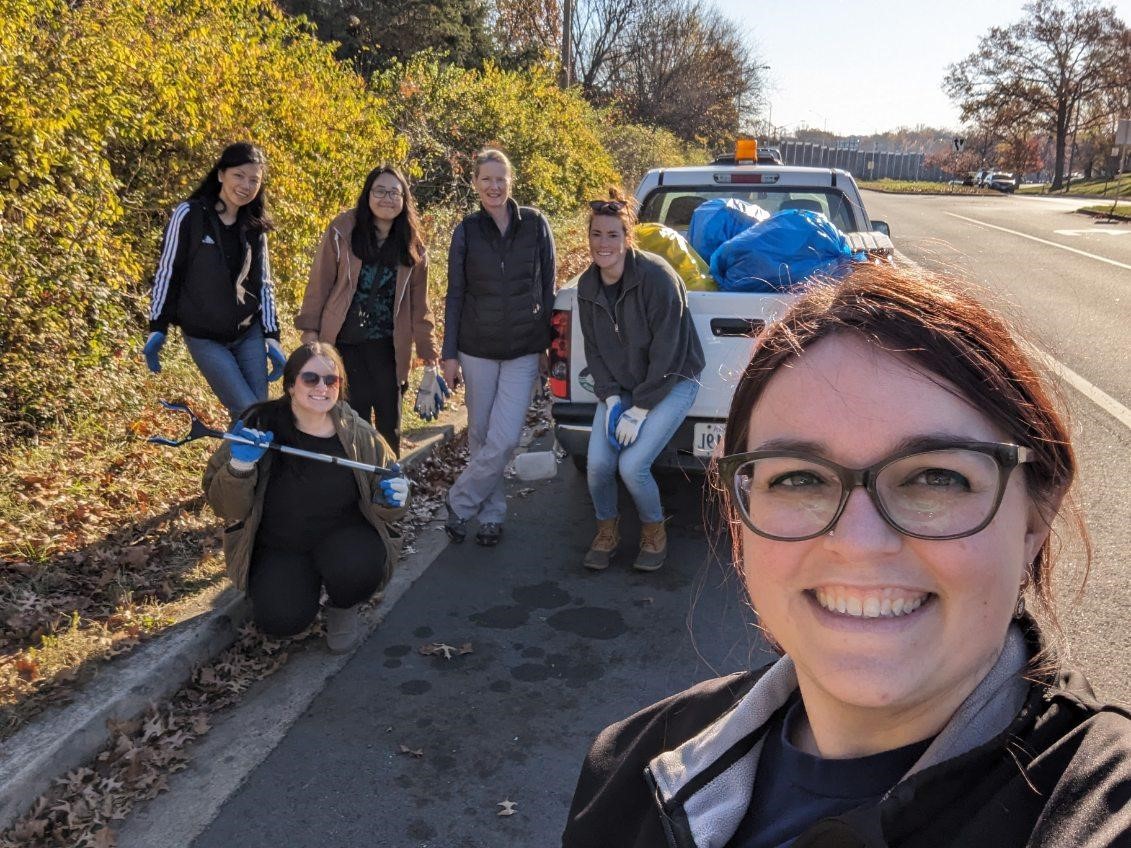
[
  {"x": 635, "y": 461},
  {"x": 236, "y": 371}
]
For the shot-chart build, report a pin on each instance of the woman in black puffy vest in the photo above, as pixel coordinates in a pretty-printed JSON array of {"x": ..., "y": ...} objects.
[{"x": 497, "y": 329}]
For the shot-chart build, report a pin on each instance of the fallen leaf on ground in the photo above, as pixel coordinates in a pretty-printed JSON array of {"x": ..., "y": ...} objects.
[
  {"x": 416, "y": 753},
  {"x": 508, "y": 807},
  {"x": 466, "y": 648},
  {"x": 436, "y": 649}
]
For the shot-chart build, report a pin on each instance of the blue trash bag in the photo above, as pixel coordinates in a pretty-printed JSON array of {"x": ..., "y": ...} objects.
[
  {"x": 716, "y": 221},
  {"x": 780, "y": 252}
]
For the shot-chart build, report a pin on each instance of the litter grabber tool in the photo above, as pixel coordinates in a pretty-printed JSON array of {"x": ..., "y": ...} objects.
[{"x": 199, "y": 430}]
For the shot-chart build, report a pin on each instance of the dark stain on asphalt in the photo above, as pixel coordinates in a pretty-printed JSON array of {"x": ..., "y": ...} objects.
[
  {"x": 415, "y": 687},
  {"x": 589, "y": 622},
  {"x": 547, "y": 595},
  {"x": 393, "y": 663},
  {"x": 500, "y": 686},
  {"x": 420, "y": 829},
  {"x": 502, "y": 618},
  {"x": 533, "y": 653},
  {"x": 422, "y": 632},
  {"x": 532, "y": 673},
  {"x": 397, "y": 650}
]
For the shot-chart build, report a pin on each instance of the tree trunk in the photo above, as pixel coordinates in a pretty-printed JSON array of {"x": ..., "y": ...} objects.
[{"x": 1062, "y": 116}]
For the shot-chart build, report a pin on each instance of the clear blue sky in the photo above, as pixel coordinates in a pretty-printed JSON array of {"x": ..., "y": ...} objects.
[{"x": 870, "y": 65}]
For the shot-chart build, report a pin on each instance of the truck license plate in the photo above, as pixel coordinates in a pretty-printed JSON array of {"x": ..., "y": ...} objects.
[{"x": 707, "y": 436}]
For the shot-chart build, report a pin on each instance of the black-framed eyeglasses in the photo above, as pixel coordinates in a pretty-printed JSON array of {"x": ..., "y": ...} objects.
[
  {"x": 607, "y": 207},
  {"x": 381, "y": 193},
  {"x": 311, "y": 378},
  {"x": 945, "y": 490}
]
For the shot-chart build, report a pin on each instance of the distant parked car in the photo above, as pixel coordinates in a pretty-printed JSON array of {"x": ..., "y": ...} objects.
[
  {"x": 1002, "y": 181},
  {"x": 971, "y": 178}
]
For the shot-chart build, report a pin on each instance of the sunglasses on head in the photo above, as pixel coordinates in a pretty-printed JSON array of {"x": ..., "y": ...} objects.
[
  {"x": 607, "y": 207},
  {"x": 310, "y": 378}
]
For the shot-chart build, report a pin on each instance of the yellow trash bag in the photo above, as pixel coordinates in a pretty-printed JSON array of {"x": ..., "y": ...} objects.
[{"x": 669, "y": 244}]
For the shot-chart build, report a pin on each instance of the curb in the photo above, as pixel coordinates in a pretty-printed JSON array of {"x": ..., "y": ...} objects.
[{"x": 64, "y": 739}]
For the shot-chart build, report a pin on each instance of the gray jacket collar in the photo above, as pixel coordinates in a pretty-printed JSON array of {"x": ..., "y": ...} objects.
[
  {"x": 589, "y": 285},
  {"x": 715, "y": 810}
]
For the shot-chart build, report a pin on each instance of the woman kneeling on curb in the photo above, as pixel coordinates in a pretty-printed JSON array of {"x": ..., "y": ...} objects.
[
  {"x": 300, "y": 525},
  {"x": 645, "y": 360}
]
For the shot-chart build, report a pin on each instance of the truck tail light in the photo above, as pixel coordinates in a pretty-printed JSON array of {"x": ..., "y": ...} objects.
[{"x": 559, "y": 353}]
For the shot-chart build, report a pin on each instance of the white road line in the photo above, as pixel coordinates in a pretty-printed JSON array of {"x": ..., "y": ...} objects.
[
  {"x": 1123, "y": 265},
  {"x": 1096, "y": 395}
]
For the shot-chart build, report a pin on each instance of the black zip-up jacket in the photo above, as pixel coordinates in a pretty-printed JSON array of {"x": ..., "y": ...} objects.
[
  {"x": 194, "y": 288},
  {"x": 500, "y": 286},
  {"x": 649, "y": 343},
  {"x": 1056, "y": 775}
]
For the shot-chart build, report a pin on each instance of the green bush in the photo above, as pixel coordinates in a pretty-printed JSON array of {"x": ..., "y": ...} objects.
[{"x": 636, "y": 148}]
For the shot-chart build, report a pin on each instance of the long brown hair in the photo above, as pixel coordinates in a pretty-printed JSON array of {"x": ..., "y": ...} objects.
[
  {"x": 945, "y": 331},
  {"x": 276, "y": 415}
]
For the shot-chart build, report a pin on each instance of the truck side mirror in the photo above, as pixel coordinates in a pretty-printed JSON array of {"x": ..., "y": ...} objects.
[{"x": 882, "y": 226}]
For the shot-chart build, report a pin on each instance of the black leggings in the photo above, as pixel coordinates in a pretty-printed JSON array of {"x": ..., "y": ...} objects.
[
  {"x": 372, "y": 371},
  {"x": 285, "y": 586}
]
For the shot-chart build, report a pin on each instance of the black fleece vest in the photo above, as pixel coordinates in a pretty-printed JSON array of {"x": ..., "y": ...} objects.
[{"x": 503, "y": 316}]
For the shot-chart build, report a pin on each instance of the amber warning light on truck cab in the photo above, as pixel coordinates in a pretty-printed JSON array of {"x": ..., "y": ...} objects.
[
  {"x": 559, "y": 353},
  {"x": 746, "y": 150}
]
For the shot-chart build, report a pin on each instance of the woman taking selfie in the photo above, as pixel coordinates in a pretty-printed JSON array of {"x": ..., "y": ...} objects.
[
  {"x": 297, "y": 525},
  {"x": 893, "y": 464},
  {"x": 368, "y": 296},
  {"x": 213, "y": 280}
]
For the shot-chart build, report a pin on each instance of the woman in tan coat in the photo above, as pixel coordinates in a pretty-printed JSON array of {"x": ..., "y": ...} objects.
[{"x": 368, "y": 296}]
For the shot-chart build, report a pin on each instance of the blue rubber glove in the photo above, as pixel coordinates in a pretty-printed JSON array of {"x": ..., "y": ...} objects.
[
  {"x": 394, "y": 490},
  {"x": 628, "y": 428},
  {"x": 432, "y": 394},
  {"x": 244, "y": 454},
  {"x": 152, "y": 351},
  {"x": 277, "y": 359},
  {"x": 614, "y": 409}
]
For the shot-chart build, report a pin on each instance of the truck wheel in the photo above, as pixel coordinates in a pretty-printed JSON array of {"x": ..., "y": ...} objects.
[{"x": 580, "y": 462}]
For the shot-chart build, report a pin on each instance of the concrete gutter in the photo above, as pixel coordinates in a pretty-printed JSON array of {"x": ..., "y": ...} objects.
[{"x": 65, "y": 738}]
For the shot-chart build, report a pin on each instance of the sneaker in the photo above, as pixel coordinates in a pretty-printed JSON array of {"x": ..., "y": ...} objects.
[
  {"x": 455, "y": 527},
  {"x": 604, "y": 544},
  {"x": 343, "y": 628},
  {"x": 489, "y": 534},
  {"x": 653, "y": 547}
]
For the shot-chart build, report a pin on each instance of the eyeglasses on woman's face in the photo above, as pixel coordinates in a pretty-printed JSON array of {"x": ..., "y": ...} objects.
[
  {"x": 936, "y": 491},
  {"x": 311, "y": 378},
  {"x": 380, "y": 193}
]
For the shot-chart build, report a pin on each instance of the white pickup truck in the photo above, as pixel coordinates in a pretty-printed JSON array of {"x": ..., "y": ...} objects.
[{"x": 725, "y": 321}]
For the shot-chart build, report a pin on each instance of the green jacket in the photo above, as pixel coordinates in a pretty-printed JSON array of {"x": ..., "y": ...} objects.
[{"x": 237, "y": 497}]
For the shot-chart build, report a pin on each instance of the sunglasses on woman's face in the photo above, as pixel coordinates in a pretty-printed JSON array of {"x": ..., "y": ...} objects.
[
  {"x": 606, "y": 207},
  {"x": 311, "y": 378}
]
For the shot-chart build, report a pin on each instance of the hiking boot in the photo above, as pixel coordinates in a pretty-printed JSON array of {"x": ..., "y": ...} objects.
[
  {"x": 604, "y": 544},
  {"x": 343, "y": 628},
  {"x": 489, "y": 534},
  {"x": 653, "y": 547},
  {"x": 455, "y": 527}
]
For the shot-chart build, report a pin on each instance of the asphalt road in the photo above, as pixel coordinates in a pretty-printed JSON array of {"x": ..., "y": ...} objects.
[
  {"x": 1066, "y": 280},
  {"x": 557, "y": 654}
]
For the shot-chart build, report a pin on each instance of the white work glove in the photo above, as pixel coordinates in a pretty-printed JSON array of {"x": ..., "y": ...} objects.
[
  {"x": 628, "y": 428},
  {"x": 431, "y": 395},
  {"x": 394, "y": 490}
]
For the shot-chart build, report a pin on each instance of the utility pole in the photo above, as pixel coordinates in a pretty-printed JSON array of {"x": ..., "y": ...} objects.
[{"x": 567, "y": 43}]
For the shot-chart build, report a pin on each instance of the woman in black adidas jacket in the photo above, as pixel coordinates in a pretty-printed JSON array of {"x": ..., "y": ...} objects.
[
  {"x": 213, "y": 279},
  {"x": 893, "y": 465}
]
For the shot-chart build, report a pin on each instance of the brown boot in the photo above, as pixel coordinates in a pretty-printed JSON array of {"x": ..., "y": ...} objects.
[
  {"x": 604, "y": 544},
  {"x": 653, "y": 547}
]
